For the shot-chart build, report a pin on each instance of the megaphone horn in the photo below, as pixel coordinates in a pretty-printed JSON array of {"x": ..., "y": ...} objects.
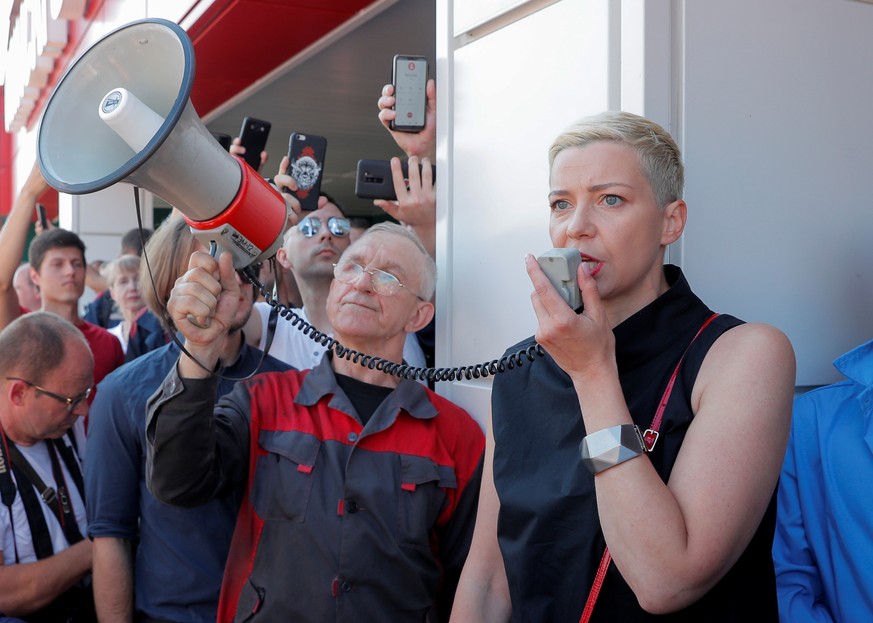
[{"x": 121, "y": 113}]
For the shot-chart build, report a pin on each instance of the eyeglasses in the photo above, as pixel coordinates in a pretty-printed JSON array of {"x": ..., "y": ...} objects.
[
  {"x": 384, "y": 283},
  {"x": 337, "y": 226},
  {"x": 71, "y": 402}
]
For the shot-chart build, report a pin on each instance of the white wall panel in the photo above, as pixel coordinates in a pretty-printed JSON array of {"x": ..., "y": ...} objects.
[
  {"x": 468, "y": 14},
  {"x": 778, "y": 142},
  {"x": 514, "y": 91}
]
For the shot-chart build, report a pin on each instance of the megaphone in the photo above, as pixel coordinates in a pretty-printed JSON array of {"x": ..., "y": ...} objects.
[{"x": 121, "y": 113}]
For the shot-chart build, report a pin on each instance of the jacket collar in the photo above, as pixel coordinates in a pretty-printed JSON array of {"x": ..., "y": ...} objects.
[
  {"x": 857, "y": 364},
  {"x": 409, "y": 396}
]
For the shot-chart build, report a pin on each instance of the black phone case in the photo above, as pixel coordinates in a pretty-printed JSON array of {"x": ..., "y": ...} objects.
[
  {"x": 398, "y": 124},
  {"x": 253, "y": 136},
  {"x": 41, "y": 215},
  {"x": 223, "y": 139},
  {"x": 306, "y": 153},
  {"x": 373, "y": 179}
]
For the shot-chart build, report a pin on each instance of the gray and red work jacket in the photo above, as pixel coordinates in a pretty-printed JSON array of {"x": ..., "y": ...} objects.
[{"x": 339, "y": 521}]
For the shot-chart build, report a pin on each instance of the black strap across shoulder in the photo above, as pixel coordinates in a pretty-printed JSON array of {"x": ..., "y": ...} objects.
[
  {"x": 11, "y": 457},
  {"x": 39, "y": 531},
  {"x": 69, "y": 456},
  {"x": 7, "y": 487}
]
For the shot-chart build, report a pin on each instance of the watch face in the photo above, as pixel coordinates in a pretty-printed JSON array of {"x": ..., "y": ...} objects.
[{"x": 611, "y": 446}]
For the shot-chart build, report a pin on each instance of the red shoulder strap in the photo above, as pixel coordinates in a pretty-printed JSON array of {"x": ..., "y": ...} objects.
[{"x": 650, "y": 437}]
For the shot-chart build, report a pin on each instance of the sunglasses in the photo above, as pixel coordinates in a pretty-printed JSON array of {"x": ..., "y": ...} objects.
[
  {"x": 71, "y": 401},
  {"x": 336, "y": 225}
]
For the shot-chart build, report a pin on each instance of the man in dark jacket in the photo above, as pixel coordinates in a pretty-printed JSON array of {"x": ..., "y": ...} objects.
[{"x": 360, "y": 488}]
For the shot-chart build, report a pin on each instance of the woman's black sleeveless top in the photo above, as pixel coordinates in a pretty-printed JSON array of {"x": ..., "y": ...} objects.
[{"x": 548, "y": 527}]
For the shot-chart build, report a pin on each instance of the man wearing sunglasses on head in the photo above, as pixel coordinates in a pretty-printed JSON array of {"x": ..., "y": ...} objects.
[
  {"x": 309, "y": 251},
  {"x": 47, "y": 374},
  {"x": 359, "y": 489}
]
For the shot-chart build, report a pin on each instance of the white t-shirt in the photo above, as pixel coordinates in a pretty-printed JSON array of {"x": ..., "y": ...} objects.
[
  {"x": 295, "y": 348},
  {"x": 118, "y": 331},
  {"x": 38, "y": 457}
]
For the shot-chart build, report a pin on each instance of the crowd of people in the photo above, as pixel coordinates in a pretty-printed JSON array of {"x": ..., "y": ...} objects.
[{"x": 180, "y": 454}]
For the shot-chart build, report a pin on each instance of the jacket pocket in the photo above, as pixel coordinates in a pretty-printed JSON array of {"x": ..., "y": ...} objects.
[
  {"x": 251, "y": 598},
  {"x": 421, "y": 498},
  {"x": 284, "y": 475}
]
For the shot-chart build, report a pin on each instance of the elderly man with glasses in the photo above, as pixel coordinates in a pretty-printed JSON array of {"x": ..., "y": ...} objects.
[
  {"x": 310, "y": 251},
  {"x": 359, "y": 488},
  {"x": 47, "y": 372}
]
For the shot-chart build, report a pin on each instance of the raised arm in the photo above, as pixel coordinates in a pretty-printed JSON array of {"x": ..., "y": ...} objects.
[
  {"x": 421, "y": 144},
  {"x": 93, "y": 278},
  {"x": 203, "y": 305},
  {"x": 13, "y": 237},
  {"x": 700, "y": 522},
  {"x": 195, "y": 451},
  {"x": 415, "y": 207}
]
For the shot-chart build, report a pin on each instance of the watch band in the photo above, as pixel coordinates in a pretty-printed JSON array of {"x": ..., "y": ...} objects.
[{"x": 611, "y": 446}]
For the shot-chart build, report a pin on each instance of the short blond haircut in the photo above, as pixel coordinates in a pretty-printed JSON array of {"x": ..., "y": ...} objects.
[
  {"x": 659, "y": 155},
  {"x": 124, "y": 265}
]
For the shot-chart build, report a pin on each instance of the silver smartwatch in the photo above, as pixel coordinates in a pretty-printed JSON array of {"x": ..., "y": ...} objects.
[{"x": 610, "y": 446}]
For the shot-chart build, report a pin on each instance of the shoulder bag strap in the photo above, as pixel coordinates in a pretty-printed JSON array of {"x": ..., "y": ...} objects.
[{"x": 650, "y": 437}]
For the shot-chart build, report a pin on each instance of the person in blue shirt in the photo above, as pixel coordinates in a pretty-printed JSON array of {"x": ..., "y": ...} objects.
[
  {"x": 824, "y": 529},
  {"x": 152, "y": 561}
]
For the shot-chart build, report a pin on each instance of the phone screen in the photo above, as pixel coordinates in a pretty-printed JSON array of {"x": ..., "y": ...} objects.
[{"x": 410, "y": 82}]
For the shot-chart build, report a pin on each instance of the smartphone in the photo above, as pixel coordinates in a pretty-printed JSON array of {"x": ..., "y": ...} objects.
[
  {"x": 409, "y": 78},
  {"x": 253, "y": 136},
  {"x": 41, "y": 215},
  {"x": 306, "y": 165},
  {"x": 560, "y": 266},
  {"x": 374, "y": 181},
  {"x": 224, "y": 140}
]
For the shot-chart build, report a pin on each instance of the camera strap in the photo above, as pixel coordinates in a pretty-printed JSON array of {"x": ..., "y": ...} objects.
[
  {"x": 11, "y": 460},
  {"x": 649, "y": 437},
  {"x": 63, "y": 504},
  {"x": 7, "y": 487}
]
